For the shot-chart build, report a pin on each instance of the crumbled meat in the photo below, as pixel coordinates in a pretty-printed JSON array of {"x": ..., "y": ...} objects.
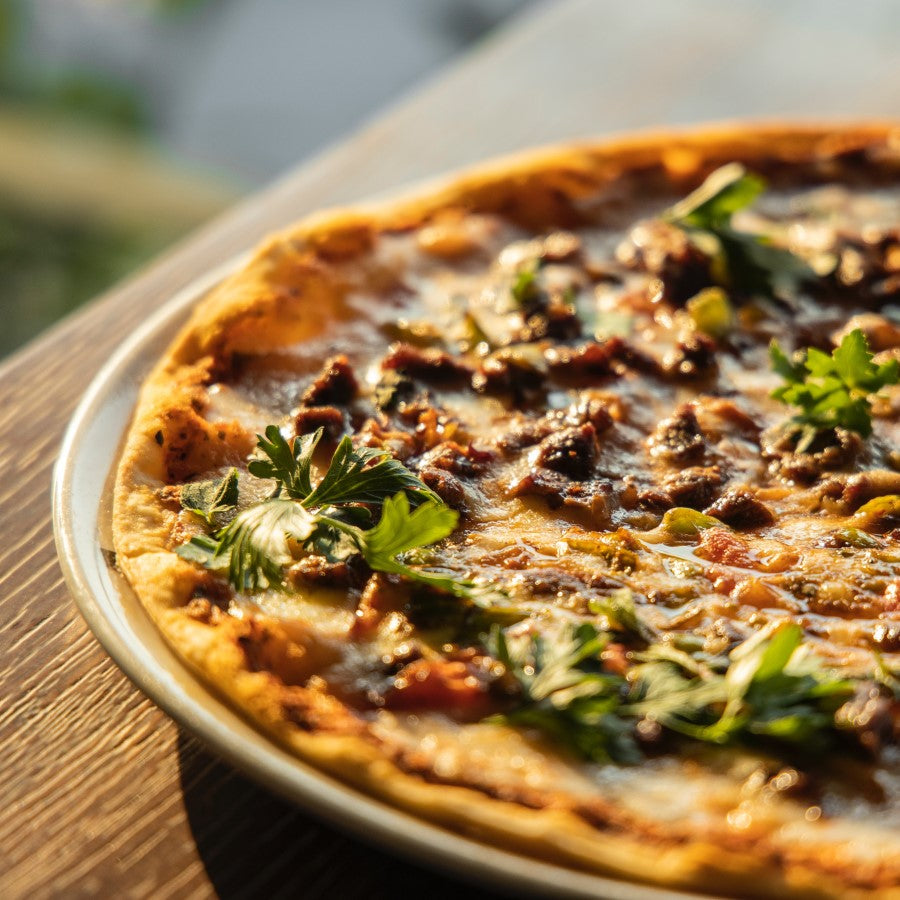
[
  {"x": 510, "y": 372},
  {"x": 598, "y": 359},
  {"x": 868, "y": 267},
  {"x": 591, "y": 496},
  {"x": 558, "y": 321},
  {"x": 527, "y": 431},
  {"x": 329, "y": 418},
  {"x": 466, "y": 462},
  {"x": 871, "y": 716},
  {"x": 334, "y": 386},
  {"x": 694, "y": 487},
  {"x": 864, "y": 486},
  {"x": 666, "y": 252},
  {"x": 426, "y": 364},
  {"x": 572, "y": 451},
  {"x": 447, "y": 486},
  {"x": 692, "y": 358},
  {"x": 678, "y": 439},
  {"x": 739, "y": 508},
  {"x": 833, "y": 450}
]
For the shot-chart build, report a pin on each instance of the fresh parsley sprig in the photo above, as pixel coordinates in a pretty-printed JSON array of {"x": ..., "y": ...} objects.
[
  {"x": 333, "y": 518},
  {"x": 210, "y": 498},
  {"x": 768, "y": 689},
  {"x": 564, "y": 692},
  {"x": 354, "y": 475},
  {"x": 401, "y": 529},
  {"x": 831, "y": 391},
  {"x": 742, "y": 260}
]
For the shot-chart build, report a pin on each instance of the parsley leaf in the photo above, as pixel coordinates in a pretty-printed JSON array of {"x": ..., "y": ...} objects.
[
  {"x": 333, "y": 519},
  {"x": 832, "y": 391},
  {"x": 206, "y": 498},
  {"x": 621, "y": 613},
  {"x": 288, "y": 464},
  {"x": 364, "y": 475},
  {"x": 742, "y": 259},
  {"x": 565, "y": 694},
  {"x": 769, "y": 689},
  {"x": 400, "y": 530},
  {"x": 254, "y": 544}
]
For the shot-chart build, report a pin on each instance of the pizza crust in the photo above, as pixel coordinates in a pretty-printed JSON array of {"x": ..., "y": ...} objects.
[{"x": 291, "y": 291}]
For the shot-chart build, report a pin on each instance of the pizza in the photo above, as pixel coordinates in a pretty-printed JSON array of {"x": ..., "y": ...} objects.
[{"x": 559, "y": 504}]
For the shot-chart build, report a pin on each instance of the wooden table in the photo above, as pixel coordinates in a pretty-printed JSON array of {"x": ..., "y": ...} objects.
[{"x": 101, "y": 793}]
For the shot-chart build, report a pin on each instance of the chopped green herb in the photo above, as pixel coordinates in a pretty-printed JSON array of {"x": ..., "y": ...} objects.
[
  {"x": 525, "y": 289},
  {"x": 832, "y": 391},
  {"x": 207, "y": 498},
  {"x": 770, "y": 689},
  {"x": 621, "y": 613},
  {"x": 711, "y": 312}
]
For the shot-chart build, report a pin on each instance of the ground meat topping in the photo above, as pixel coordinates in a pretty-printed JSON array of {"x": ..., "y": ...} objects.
[
  {"x": 678, "y": 439},
  {"x": 334, "y": 386}
]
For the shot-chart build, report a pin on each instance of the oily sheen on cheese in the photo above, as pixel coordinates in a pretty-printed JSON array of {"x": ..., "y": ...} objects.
[{"x": 580, "y": 378}]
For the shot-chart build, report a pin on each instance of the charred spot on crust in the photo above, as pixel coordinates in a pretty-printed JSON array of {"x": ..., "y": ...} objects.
[{"x": 192, "y": 446}]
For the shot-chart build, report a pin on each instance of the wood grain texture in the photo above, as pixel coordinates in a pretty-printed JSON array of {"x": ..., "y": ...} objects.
[{"x": 102, "y": 795}]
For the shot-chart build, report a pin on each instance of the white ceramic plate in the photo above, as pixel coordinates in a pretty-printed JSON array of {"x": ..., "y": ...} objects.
[{"x": 81, "y": 514}]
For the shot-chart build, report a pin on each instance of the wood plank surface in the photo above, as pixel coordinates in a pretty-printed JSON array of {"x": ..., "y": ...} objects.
[{"x": 102, "y": 795}]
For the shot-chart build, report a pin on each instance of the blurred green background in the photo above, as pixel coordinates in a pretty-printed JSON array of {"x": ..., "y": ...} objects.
[{"x": 124, "y": 125}]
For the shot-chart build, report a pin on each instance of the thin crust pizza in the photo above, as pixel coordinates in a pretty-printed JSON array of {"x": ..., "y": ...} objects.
[{"x": 559, "y": 505}]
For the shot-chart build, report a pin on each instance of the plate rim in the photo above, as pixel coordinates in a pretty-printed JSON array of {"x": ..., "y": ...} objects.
[{"x": 315, "y": 792}]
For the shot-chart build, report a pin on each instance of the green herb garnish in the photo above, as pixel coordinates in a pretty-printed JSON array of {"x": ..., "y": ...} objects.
[
  {"x": 565, "y": 693},
  {"x": 207, "y": 498},
  {"x": 525, "y": 288},
  {"x": 335, "y": 518},
  {"x": 769, "y": 689},
  {"x": 741, "y": 259},
  {"x": 832, "y": 391},
  {"x": 400, "y": 530}
]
